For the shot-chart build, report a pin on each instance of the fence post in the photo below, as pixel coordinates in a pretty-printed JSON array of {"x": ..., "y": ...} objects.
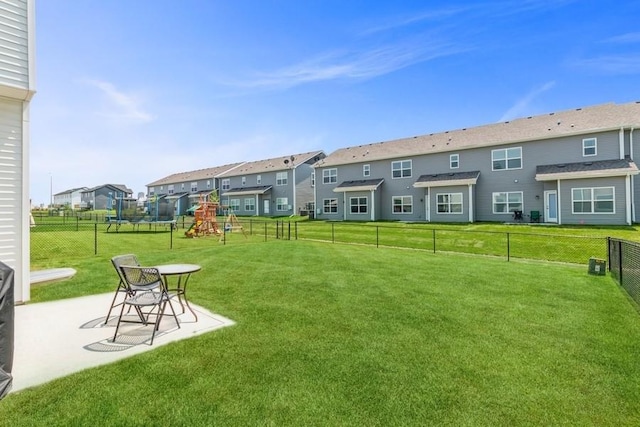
[
  {"x": 377, "y": 236},
  {"x": 620, "y": 262},
  {"x": 289, "y": 231},
  {"x": 508, "y": 247},
  {"x": 265, "y": 231},
  {"x": 171, "y": 237},
  {"x": 95, "y": 238},
  {"x": 296, "y": 230},
  {"x": 333, "y": 233},
  {"x": 434, "y": 240}
]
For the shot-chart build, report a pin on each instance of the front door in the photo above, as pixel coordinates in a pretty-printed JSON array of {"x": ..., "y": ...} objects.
[
  {"x": 265, "y": 203},
  {"x": 551, "y": 206}
]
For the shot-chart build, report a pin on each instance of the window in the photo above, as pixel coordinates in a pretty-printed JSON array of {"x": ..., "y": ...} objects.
[
  {"x": 366, "y": 170},
  {"x": 250, "y": 204},
  {"x": 170, "y": 189},
  {"x": 454, "y": 161},
  {"x": 507, "y": 202},
  {"x": 152, "y": 191},
  {"x": 330, "y": 206},
  {"x": 402, "y": 204},
  {"x": 401, "y": 169},
  {"x": 589, "y": 147},
  {"x": 226, "y": 184},
  {"x": 329, "y": 176},
  {"x": 244, "y": 181},
  {"x": 593, "y": 200},
  {"x": 259, "y": 179},
  {"x": 281, "y": 178},
  {"x": 194, "y": 187},
  {"x": 313, "y": 179},
  {"x": 358, "y": 205},
  {"x": 449, "y": 203},
  {"x": 208, "y": 183},
  {"x": 234, "y": 204},
  {"x": 282, "y": 204},
  {"x": 182, "y": 187},
  {"x": 507, "y": 158}
]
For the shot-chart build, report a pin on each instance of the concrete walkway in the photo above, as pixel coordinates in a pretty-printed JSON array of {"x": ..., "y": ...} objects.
[{"x": 55, "y": 339}]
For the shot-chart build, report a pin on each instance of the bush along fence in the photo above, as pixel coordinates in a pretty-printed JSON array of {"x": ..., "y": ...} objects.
[
  {"x": 79, "y": 237},
  {"x": 624, "y": 265}
]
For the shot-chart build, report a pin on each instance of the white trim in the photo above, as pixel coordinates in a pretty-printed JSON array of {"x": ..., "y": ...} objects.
[
  {"x": 605, "y": 173},
  {"x": 470, "y": 202},
  {"x": 593, "y": 200},
  {"x": 595, "y": 147},
  {"x": 445, "y": 183}
]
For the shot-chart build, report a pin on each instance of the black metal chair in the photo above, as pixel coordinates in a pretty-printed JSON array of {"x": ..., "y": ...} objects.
[
  {"x": 149, "y": 290},
  {"x": 122, "y": 288},
  {"x": 517, "y": 216}
]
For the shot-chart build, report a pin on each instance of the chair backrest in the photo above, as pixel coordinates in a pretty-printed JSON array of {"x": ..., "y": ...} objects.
[
  {"x": 120, "y": 260},
  {"x": 142, "y": 278}
]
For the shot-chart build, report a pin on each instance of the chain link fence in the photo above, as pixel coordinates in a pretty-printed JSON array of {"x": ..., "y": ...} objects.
[
  {"x": 66, "y": 237},
  {"x": 624, "y": 266}
]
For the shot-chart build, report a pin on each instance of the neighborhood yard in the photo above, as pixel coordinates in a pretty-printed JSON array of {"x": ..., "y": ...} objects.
[{"x": 336, "y": 334}]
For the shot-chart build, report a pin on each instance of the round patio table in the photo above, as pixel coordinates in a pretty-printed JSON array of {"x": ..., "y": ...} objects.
[{"x": 183, "y": 271}]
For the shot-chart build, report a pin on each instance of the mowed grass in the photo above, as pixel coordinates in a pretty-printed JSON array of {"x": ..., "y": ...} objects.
[{"x": 332, "y": 334}]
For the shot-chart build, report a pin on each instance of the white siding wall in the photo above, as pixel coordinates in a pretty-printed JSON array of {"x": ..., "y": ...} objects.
[{"x": 17, "y": 46}]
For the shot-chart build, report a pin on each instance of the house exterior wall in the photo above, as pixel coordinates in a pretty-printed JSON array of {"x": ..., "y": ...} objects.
[
  {"x": 17, "y": 87},
  {"x": 423, "y": 203}
]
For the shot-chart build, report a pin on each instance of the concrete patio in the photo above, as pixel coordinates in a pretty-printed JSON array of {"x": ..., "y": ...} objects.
[{"x": 55, "y": 339}]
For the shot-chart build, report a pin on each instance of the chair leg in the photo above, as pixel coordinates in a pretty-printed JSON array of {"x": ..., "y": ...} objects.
[{"x": 118, "y": 324}]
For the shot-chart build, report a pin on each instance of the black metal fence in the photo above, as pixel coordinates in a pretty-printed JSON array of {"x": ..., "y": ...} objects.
[
  {"x": 75, "y": 236},
  {"x": 624, "y": 265}
]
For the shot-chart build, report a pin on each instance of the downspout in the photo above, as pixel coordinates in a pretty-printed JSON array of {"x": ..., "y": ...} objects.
[
  {"x": 257, "y": 205},
  {"x": 470, "y": 202},
  {"x": 621, "y": 140},
  {"x": 315, "y": 195},
  {"x": 427, "y": 204}
]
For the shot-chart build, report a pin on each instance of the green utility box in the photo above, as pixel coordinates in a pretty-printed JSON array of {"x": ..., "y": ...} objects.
[{"x": 597, "y": 266}]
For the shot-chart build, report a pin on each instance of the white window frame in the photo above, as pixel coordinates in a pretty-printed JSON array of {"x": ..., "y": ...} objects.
[
  {"x": 259, "y": 179},
  {"x": 225, "y": 184},
  {"x": 152, "y": 191},
  {"x": 330, "y": 206},
  {"x": 249, "y": 204},
  {"x": 454, "y": 161},
  {"x": 313, "y": 178},
  {"x": 282, "y": 204},
  {"x": 361, "y": 204},
  {"x": 208, "y": 183},
  {"x": 506, "y": 155},
  {"x": 244, "y": 181},
  {"x": 447, "y": 201},
  {"x": 403, "y": 167},
  {"x": 593, "y": 199},
  {"x": 330, "y": 176},
  {"x": 366, "y": 170},
  {"x": 405, "y": 202},
  {"x": 194, "y": 187},
  {"x": 234, "y": 204},
  {"x": 586, "y": 148},
  {"x": 170, "y": 189},
  {"x": 282, "y": 178},
  {"x": 509, "y": 203}
]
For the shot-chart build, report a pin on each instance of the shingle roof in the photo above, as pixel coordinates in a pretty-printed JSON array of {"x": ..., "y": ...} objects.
[
  {"x": 571, "y": 122},
  {"x": 261, "y": 189},
  {"x": 194, "y": 175},
  {"x": 585, "y": 169},
  {"x": 270, "y": 165},
  {"x": 442, "y": 179},
  {"x": 359, "y": 185}
]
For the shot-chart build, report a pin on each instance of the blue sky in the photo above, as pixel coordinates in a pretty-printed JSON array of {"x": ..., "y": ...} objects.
[{"x": 130, "y": 91}]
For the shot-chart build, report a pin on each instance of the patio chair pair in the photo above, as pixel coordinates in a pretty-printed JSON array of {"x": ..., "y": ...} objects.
[{"x": 143, "y": 288}]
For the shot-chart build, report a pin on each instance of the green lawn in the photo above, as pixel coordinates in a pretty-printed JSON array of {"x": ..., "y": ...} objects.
[{"x": 333, "y": 334}]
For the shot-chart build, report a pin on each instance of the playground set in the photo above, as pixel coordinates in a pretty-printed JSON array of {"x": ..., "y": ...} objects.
[{"x": 205, "y": 222}]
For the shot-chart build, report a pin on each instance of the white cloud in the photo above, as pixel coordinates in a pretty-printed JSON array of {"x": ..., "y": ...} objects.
[
  {"x": 520, "y": 108},
  {"x": 611, "y": 64},
  {"x": 122, "y": 106}
]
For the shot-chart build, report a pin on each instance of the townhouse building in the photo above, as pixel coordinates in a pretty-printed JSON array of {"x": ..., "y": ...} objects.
[
  {"x": 568, "y": 167},
  {"x": 104, "y": 196},
  {"x": 184, "y": 189},
  {"x": 280, "y": 186},
  {"x": 71, "y": 198}
]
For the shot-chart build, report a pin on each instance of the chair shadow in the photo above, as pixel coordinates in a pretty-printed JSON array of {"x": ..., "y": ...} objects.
[{"x": 130, "y": 334}]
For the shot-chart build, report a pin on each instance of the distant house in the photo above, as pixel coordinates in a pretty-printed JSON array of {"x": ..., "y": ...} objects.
[
  {"x": 281, "y": 186},
  {"x": 569, "y": 167},
  {"x": 104, "y": 196},
  {"x": 185, "y": 188},
  {"x": 17, "y": 87},
  {"x": 70, "y": 198}
]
